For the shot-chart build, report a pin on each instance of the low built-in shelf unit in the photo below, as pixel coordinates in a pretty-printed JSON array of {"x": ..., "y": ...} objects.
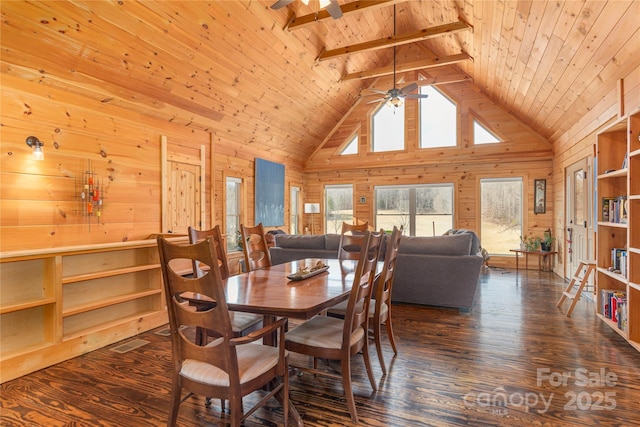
[{"x": 59, "y": 303}]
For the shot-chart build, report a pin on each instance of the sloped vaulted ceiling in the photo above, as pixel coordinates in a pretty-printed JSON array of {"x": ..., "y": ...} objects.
[{"x": 233, "y": 67}]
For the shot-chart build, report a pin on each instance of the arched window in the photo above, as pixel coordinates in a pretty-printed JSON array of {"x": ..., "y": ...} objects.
[
  {"x": 388, "y": 128},
  {"x": 438, "y": 119}
]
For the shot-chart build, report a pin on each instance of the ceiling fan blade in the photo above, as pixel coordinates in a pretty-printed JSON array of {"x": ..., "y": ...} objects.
[
  {"x": 280, "y": 4},
  {"x": 381, "y": 92},
  {"x": 409, "y": 88},
  {"x": 416, "y": 96},
  {"x": 334, "y": 9},
  {"x": 377, "y": 100}
]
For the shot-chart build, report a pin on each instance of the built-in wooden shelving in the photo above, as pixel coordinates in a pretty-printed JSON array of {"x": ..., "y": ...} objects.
[
  {"x": 618, "y": 158},
  {"x": 56, "y": 304}
]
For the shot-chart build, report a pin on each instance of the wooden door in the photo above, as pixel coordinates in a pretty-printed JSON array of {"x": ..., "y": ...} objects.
[
  {"x": 184, "y": 197},
  {"x": 182, "y": 187},
  {"x": 579, "y": 216}
]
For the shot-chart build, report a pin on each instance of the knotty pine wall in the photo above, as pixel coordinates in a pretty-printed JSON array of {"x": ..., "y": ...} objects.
[
  {"x": 522, "y": 153},
  {"x": 579, "y": 143},
  {"x": 39, "y": 204}
]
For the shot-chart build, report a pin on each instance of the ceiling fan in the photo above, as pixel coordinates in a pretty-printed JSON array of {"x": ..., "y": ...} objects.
[
  {"x": 331, "y": 6},
  {"x": 394, "y": 96}
]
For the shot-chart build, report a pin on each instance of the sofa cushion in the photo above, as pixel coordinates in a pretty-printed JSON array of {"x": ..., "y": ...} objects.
[
  {"x": 332, "y": 242},
  {"x": 458, "y": 244},
  {"x": 300, "y": 241},
  {"x": 475, "y": 240}
]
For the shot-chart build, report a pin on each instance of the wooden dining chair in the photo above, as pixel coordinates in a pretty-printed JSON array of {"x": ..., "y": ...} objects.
[
  {"x": 228, "y": 367},
  {"x": 242, "y": 323},
  {"x": 254, "y": 245},
  {"x": 380, "y": 308},
  {"x": 324, "y": 337},
  {"x": 351, "y": 240}
]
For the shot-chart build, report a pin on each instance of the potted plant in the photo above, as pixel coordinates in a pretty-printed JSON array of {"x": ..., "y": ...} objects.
[
  {"x": 530, "y": 243},
  {"x": 547, "y": 242}
]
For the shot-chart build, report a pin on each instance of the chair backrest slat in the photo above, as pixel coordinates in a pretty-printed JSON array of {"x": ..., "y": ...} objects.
[
  {"x": 351, "y": 238},
  {"x": 254, "y": 245},
  {"x": 221, "y": 254}
]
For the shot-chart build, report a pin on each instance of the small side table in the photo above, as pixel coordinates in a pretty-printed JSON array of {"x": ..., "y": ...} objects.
[{"x": 544, "y": 258}]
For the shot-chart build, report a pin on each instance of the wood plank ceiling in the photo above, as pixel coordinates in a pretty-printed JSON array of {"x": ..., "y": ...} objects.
[{"x": 232, "y": 67}]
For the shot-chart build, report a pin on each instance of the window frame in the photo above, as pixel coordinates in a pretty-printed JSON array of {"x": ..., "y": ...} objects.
[
  {"x": 410, "y": 229},
  {"x": 354, "y": 136},
  {"x": 372, "y": 118},
  {"x": 420, "y": 110},
  {"x": 326, "y": 213},
  {"x": 523, "y": 207},
  {"x": 294, "y": 208},
  {"x": 231, "y": 244},
  {"x": 472, "y": 130}
]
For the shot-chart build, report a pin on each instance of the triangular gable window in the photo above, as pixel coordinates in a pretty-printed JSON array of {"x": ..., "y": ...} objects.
[
  {"x": 351, "y": 147},
  {"x": 483, "y": 136}
]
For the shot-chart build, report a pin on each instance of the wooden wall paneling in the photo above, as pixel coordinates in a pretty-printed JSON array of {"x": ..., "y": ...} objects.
[
  {"x": 541, "y": 18},
  {"x": 578, "y": 142},
  {"x": 62, "y": 61},
  {"x": 465, "y": 178},
  {"x": 513, "y": 28},
  {"x": 566, "y": 90},
  {"x": 64, "y": 80}
]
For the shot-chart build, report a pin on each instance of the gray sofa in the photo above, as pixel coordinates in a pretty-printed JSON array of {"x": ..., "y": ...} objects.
[{"x": 439, "y": 271}]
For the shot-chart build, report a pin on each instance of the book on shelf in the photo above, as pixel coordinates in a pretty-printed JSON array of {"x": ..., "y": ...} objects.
[
  {"x": 614, "y": 209},
  {"x": 621, "y": 315},
  {"x": 605, "y": 302},
  {"x": 624, "y": 269},
  {"x": 605, "y": 208},
  {"x": 613, "y": 305},
  {"x": 619, "y": 261}
]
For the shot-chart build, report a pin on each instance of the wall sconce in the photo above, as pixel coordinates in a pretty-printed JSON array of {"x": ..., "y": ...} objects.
[{"x": 36, "y": 145}]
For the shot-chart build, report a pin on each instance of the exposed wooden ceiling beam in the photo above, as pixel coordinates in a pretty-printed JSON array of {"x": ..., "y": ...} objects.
[
  {"x": 297, "y": 22},
  {"x": 436, "y": 81},
  {"x": 396, "y": 40},
  {"x": 409, "y": 66}
]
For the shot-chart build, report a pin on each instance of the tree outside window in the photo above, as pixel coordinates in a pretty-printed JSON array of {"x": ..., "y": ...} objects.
[
  {"x": 338, "y": 207},
  {"x": 422, "y": 210},
  {"x": 501, "y": 214}
]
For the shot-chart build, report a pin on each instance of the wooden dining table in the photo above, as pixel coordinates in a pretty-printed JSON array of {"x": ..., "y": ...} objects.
[{"x": 273, "y": 294}]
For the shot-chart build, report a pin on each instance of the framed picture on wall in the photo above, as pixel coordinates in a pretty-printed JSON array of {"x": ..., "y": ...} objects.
[{"x": 540, "y": 196}]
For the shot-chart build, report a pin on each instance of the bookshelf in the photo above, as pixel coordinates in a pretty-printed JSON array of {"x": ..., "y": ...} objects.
[
  {"x": 56, "y": 304},
  {"x": 618, "y": 237}
]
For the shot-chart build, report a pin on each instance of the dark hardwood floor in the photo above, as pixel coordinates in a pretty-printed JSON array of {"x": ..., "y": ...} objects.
[{"x": 515, "y": 360}]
